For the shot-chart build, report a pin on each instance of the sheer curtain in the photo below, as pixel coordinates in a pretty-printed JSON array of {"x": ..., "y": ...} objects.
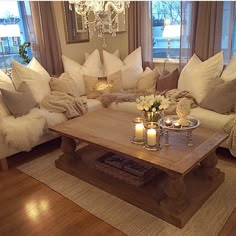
[
  {"x": 45, "y": 41},
  {"x": 207, "y": 28},
  {"x": 140, "y": 29}
]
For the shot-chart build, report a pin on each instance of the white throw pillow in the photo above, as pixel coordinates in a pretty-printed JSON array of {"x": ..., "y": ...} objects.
[
  {"x": 229, "y": 72},
  {"x": 130, "y": 76},
  {"x": 130, "y": 68},
  {"x": 113, "y": 64},
  {"x": 36, "y": 66},
  {"x": 35, "y": 77},
  {"x": 198, "y": 77},
  {"x": 102, "y": 71},
  {"x": 5, "y": 83},
  {"x": 91, "y": 67}
]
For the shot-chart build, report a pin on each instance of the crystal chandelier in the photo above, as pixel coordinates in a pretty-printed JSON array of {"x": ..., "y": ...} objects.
[{"x": 100, "y": 16}]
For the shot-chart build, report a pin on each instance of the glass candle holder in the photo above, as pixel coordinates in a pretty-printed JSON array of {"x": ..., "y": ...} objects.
[
  {"x": 152, "y": 133},
  {"x": 138, "y": 131}
]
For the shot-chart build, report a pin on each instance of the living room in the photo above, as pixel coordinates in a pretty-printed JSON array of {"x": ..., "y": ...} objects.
[{"x": 118, "y": 118}]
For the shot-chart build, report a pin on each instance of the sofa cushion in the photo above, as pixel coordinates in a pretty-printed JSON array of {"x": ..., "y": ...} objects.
[
  {"x": 168, "y": 80},
  {"x": 95, "y": 86},
  {"x": 198, "y": 77},
  {"x": 229, "y": 72},
  {"x": 102, "y": 71},
  {"x": 35, "y": 78},
  {"x": 91, "y": 67},
  {"x": 147, "y": 80},
  {"x": 113, "y": 64},
  {"x": 5, "y": 83},
  {"x": 65, "y": 84},
  {"x": 19, "y": 102},
  {"x": 115, "y": 80},
  {"x": 94, "y": 104},
  {"x": 222, "y": 99},
  {"x": 211, "y": 119}
]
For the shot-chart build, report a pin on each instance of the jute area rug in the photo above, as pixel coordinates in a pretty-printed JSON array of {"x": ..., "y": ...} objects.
[{"x": 129, "y": 219}]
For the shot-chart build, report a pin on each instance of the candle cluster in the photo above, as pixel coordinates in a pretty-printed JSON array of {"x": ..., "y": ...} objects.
[
  {"x": 146, "y": 133},
  {"x": 169, "y": 123}
]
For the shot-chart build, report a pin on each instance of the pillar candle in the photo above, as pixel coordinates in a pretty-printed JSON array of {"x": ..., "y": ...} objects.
[
  {"x": 151, "y": 137},
  {"x": 139, "y": 129}
]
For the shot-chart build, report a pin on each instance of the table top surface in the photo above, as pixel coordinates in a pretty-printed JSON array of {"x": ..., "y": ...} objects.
[{"x": 112, "y": 130}]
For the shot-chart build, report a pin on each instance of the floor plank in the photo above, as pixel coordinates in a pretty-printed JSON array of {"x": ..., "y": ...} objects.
[
  {"x": 229, "y": 228},
  {"x": 29, "y": 207}
]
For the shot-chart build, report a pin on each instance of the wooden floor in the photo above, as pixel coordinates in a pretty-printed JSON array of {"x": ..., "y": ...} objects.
[{"x": 28, "y": 207}]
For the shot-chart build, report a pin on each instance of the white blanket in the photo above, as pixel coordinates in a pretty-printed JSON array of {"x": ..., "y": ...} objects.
[{"x": 24, "y": 132}]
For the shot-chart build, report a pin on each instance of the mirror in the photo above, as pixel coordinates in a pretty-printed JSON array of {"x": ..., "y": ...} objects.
[{"x": 74, "y": 27}]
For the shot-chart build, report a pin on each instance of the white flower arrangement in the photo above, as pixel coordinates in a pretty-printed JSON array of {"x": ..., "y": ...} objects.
[{"x": 152, "y": 103}]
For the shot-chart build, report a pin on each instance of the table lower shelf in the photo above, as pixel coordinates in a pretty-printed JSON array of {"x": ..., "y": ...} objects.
[{"x": 148, "y": 197}]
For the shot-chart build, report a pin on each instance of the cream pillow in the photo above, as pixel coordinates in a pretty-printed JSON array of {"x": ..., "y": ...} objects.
[
  {"x": 35, "y": 78},
  {"x": 229, "y": 72},
  {"x": 130, "y": 76},
  {"x": 5, "y": 83},
  {"x": 148, "y": 79},
  {"x": 113, "y": 64},
  {"x": 91, "y": 67},
  {"x": 116, "y": 82},
  {"x": 65, "y": 84},
  {"x": 95, "y": 86},
  {"x": 102, "y": 71},
  {"x": 199, "y": 77}
]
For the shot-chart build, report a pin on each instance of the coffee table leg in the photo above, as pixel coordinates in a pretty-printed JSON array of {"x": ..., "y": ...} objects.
[
  {"x": 175, "y": 190},
  {"x": 208, "y": 166},
  {"x": 68, "y": 146}
]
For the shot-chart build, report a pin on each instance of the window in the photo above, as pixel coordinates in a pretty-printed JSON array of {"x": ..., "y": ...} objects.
[
  {"x": 166, "y": 17},
  {"x": 13, "y": 31}
]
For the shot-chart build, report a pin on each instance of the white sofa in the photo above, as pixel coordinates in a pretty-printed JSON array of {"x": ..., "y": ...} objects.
[{"x": 208, "y": 119}]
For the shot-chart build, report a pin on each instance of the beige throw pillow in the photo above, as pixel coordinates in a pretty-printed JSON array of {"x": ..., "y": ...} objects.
[
  {"x": 19, "y": 102},
  {"x": 115, "y": 80},
  {"x": 222, "y": 98},
  {"x": 65, "y": 84},
  {"x": 147, "y": 80},
  {"x": 168, "y": 80},
  {"x": 95, "y": 86}
]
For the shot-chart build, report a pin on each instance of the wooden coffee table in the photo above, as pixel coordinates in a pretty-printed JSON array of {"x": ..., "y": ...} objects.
[{"x": 189, "y": 174}]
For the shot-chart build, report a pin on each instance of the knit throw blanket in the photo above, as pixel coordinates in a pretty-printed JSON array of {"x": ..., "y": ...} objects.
[
  {"x": 173, "y": 95},
  {"x": 64, "y": 103},
  {"x": 230, "y": 128}
]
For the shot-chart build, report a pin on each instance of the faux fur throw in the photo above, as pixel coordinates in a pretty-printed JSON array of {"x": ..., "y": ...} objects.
[
  {"x": 230, "y": 128},
  {"x": 174, "y": 96},
  {"x": 108, "y": 98},
  {"x": 22, "y": 133},
  {"x": 64, "y": 103}
]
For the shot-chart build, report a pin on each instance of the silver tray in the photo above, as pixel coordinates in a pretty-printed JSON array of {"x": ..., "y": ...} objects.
[{"x": 194, "y": 123}]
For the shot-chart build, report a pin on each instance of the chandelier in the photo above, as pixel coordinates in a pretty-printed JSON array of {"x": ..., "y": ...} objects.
[{"x": 100, "y": 16}]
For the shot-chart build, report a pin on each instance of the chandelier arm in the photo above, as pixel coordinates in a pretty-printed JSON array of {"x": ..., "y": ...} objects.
[{"x": 111, "y": 5}]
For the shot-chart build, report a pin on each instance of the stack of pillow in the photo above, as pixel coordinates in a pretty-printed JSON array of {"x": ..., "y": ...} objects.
[
  {"x": 29, "y": 85},
  {"x": 114, "y": 75},
  {"x": 212, "y": 89}
]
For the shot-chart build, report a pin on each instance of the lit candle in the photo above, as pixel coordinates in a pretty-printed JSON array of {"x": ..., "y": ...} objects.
[
  {"x": 151, "y": 137},
  {"x": 177, "y": 125},
  {"x": 168, "y": 122},
  {"x": 139, "y": 129}
]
